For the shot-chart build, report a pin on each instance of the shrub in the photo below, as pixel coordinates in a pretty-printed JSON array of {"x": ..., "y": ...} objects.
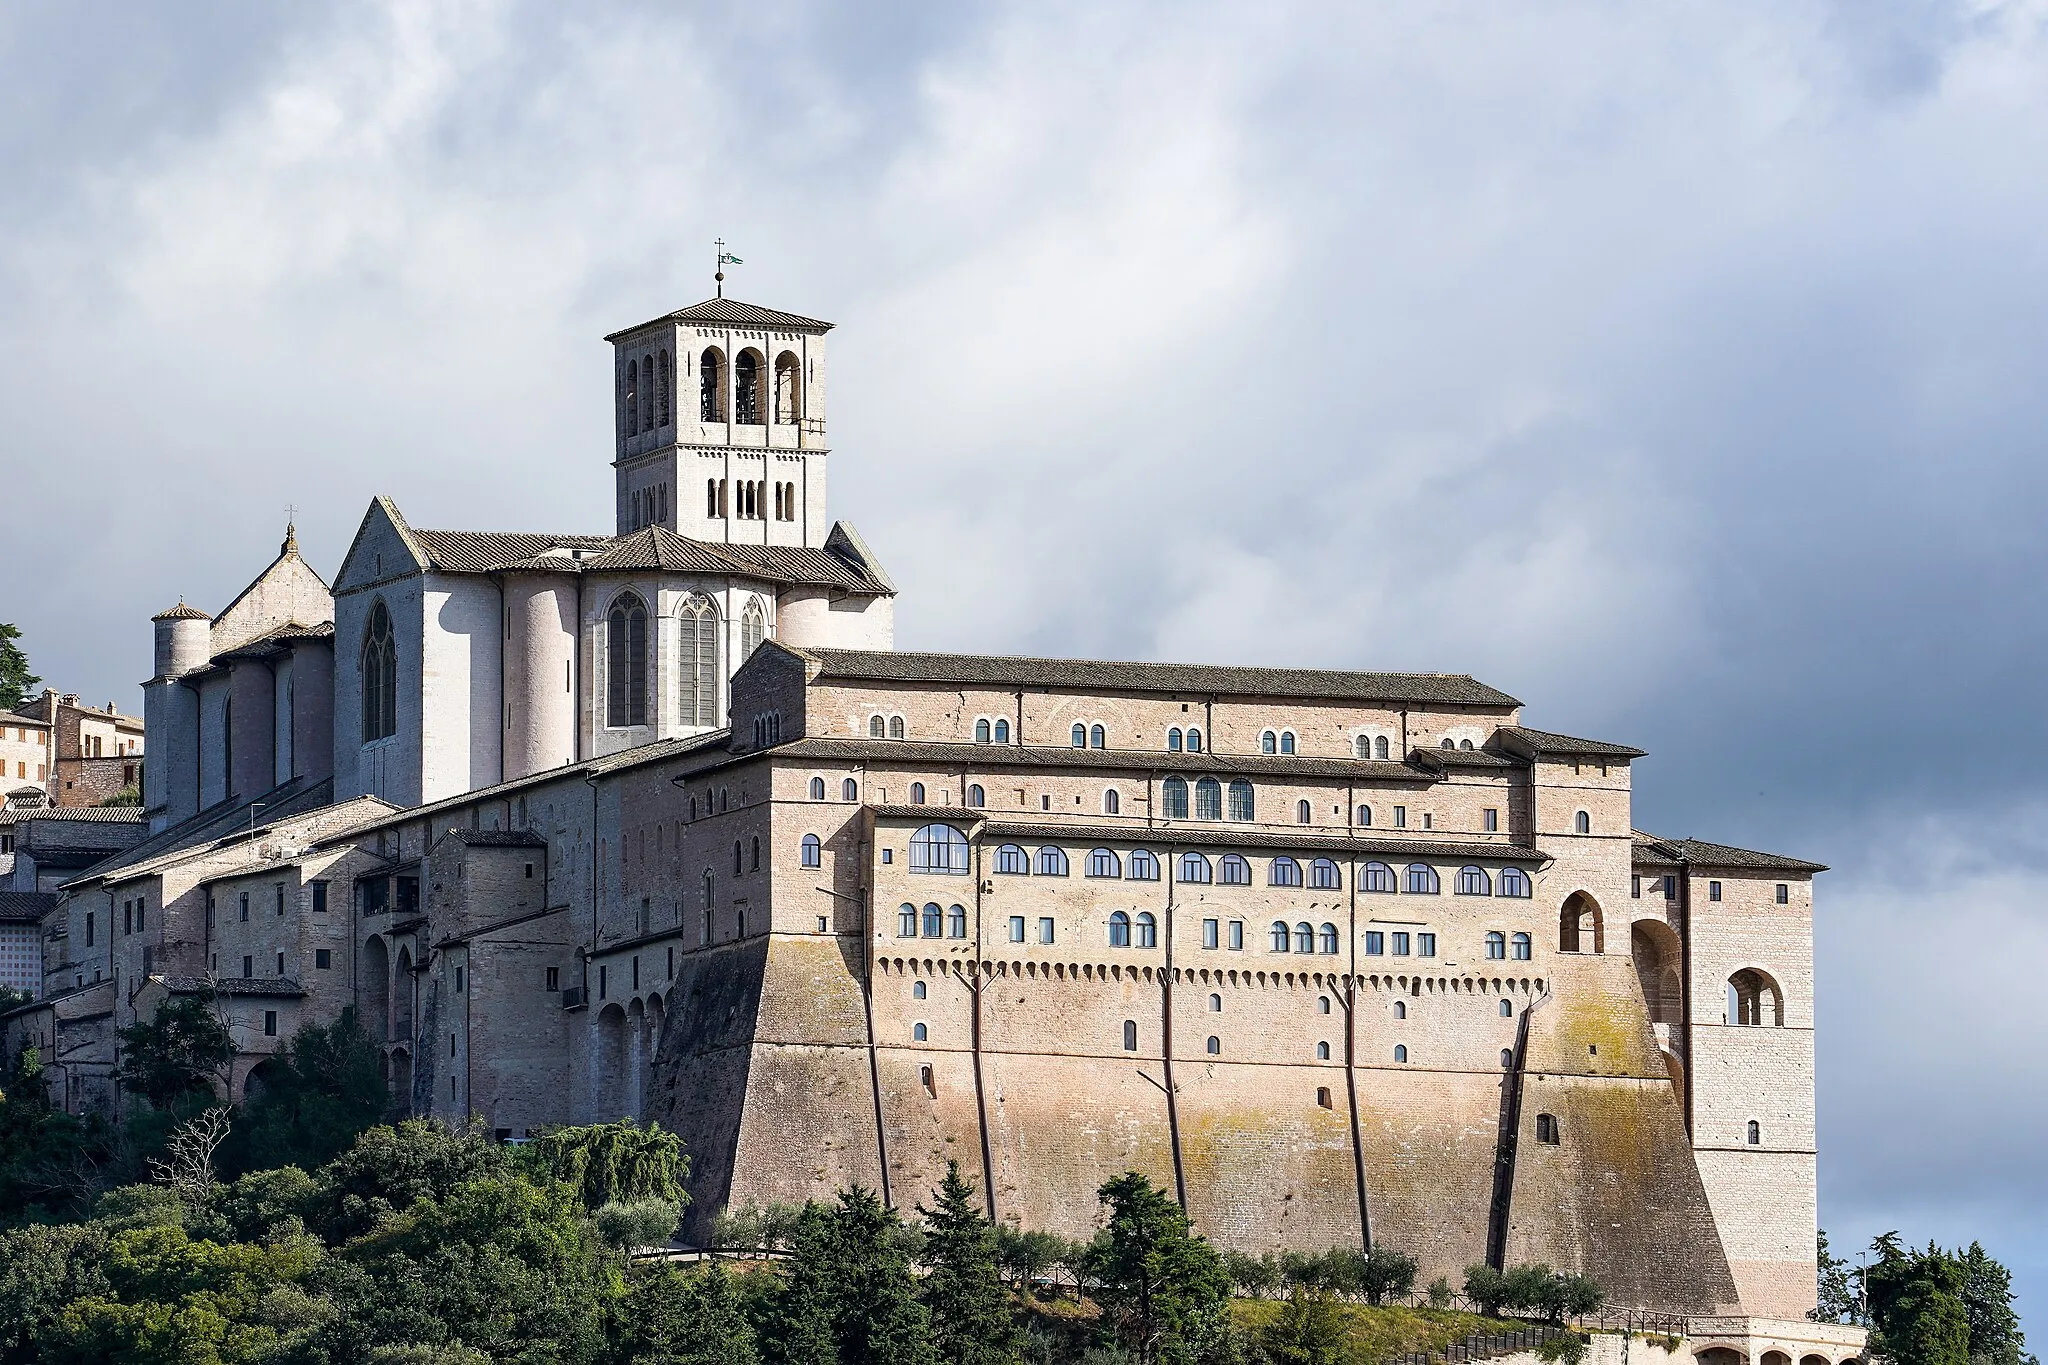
[{"x": 638, "y": 1222}]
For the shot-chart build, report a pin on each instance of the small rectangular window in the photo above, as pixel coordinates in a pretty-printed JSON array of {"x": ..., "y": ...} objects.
[
  {"x": 1400, "y": 817},
  {"x": 1400, "y": 943},
  {"x": 1425, "y": 945},
  {"x": 554, "y": 978},
  {"x": 1209, "y": 937},
  {"x": 1671, "y": 888},
  {"x": 280, "y": 897},
  {"x": 1016, "y": 928},
  {"x": 601, "y": 983},
  {"x": 888, "y": 855},
  {"x": 1045, "y": 929},
  {"x": 458, "y": 980},
  {"x": 280, "y": 964},
  {"x": 248, "y": 966},
  {"x": 270, "y": 1023},
  {"x": 323, "y": 958},
  {"x": 1784, "y": 894},
  {"x": 1375, "y": 943},
  {"x": 242, "y": 907},
  {"x": 319, "y": 898},
  {"x": 1428, "y": 820},
  {"x": 1237, "y": 936},
  {"x": 1489, "y": 820},
  {"x": 1713, "y": 891},
  {"x": 88, "y": 928},
  {"x": 1635, "y": 888}
]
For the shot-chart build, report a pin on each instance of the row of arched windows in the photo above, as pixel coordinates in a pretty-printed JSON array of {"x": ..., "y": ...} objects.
[
  {"x": 987, "y": 731},
  {"x": 646, "y": 405},
  {"x": 1088, "y": 736},
  {"x": 1304, "y": 938},
  {"x": 748, "y": 375},
  {"x": 934, "y": 922},
  {"x": 627, "y": 662},
  {"x": 649, "y": 506},
  {"x": 1208, "y": 799}
]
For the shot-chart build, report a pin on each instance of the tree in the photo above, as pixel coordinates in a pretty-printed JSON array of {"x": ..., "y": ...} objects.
[
  {"x": 671, "y": 1318},
  {"x": 389, "y": 1170},
  {"x": 16, "y": 682},
  {"x": 186, "y": 1167},
  {"x": 1385, "y": 1273},
  {"x": 1834, "y": 1294},
  {"x": 848, "y": 1296},
  {"x": 1162, "y": 1289},
  {"x": 317, "y": 1096},
  {"x": 616, "y": 1163},
  {"x": 176, "y": 1055},
  {"x": 1916, "y": 1304},
  {"x": 1995, "y": 1336},
  {"x": 1487, "y": 1289},
  {"x": 1309, "y": 1331},
  {"x": 971, "y": 1323}
]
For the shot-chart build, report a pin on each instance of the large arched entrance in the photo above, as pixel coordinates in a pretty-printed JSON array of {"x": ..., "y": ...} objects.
[
  {"x": 1658, "y": 955},
  {"x": 1579, "y": 925},
  {"x": 608, "y": 1079}
]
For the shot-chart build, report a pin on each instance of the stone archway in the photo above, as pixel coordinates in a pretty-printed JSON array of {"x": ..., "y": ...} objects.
[
  {"x": 375, "y": 988},
  {"x": 1658, "y": 956},
  {"x": 609, "y": 1072},
  {"x": 1580, "y": 925}
]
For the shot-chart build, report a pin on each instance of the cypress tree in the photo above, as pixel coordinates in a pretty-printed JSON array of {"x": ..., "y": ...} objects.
[{"x": 971, "y": 1322}]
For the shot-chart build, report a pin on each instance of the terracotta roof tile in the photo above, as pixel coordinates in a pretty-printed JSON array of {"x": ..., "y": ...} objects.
[{"x": 733, "y": 313}]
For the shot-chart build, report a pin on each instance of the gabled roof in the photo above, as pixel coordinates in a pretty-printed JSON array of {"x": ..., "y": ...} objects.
[
  {"x": 221, "y": 823},
  {"x": 732, "y": 313},
  {"x": 1543, "y": 744},
  {"x": 278, "y": 641},
  {"x": 1652, "y": 851},
  {"x": 26, "y": 907},
  {"x": 992, "y": 670},
  {"x": 16, "y": 718},
  {"x": 489, "y": 551},
  {"x": 107, "y": 815}
]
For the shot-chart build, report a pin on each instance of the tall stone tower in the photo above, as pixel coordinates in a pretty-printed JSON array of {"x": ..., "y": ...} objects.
[{"x": 721, "y": 425}]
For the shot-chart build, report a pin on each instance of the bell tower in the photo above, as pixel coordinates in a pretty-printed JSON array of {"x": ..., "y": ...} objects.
[{"x": 719, "y": 429}]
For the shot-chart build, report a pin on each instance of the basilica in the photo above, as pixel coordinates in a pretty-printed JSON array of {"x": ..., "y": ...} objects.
[{"x": 660, "y": 824}]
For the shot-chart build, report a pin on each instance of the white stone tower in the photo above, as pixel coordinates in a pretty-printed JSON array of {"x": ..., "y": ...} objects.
[{"x": 721, "y": 425}]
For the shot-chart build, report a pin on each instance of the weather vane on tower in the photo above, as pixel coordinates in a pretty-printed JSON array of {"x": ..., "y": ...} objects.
[{"x": 725, "y": 258}]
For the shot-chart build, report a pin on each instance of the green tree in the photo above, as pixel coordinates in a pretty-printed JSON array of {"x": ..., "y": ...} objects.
[
  {"x": 50, "y": 1162},
  {"x": 1487, "y": 1289},
  {"x": 671, "y": 1318},
  {"x": 318, "y": 1095},
  {"x": 1385, "y": 1273},
  {"x": 1309, "y": 1331},
  {"x": 1834, "y": 1290},
  {"x": 43, "y": 1269},
  {"x": 971, "y": 1322},
  {"x": 849, "y": 1296},
  {"x": 799, "y": 1321},
  {"x": 178, "y": 1054},
  {"x": 1995, "y": 1336},
  {"x": 16, "y": 682},
  {"x": 1255, "y": 1277},
  {"x": 389, "y": 1170},
  {"x": 1162, "y": 1289},
  {"x": 616, "y": 1163},
  {"x": 1916, "y": 1304}
]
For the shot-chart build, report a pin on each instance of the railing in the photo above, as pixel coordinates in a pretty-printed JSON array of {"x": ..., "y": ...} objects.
[{"x": 1486, "y": 1345}]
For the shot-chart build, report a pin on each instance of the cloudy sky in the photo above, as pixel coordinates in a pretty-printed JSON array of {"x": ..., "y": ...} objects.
[{"x": 1678, "y": 368}]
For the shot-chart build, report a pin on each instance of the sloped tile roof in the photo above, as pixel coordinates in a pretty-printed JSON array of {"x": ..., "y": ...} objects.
[
  {"x": 1652, "y": 851},
  {"x": 1545, "y": 744},
  {"x": 991, "y": 758},
  {"x": 274, "y": 986},
  {"x": 26, "y": 907},
  {"x": 1094, "y": 674},
  {"x": 733, "y": 313},
  {"x": 99, "y": 815},
  {"x": 181, "y": 612},
  {"x": 489, "y": 551},
  {"x": 650, "y": 548}
]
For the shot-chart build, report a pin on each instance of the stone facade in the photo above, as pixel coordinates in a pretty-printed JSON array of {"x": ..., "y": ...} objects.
[{"x": 658, "y": 824}]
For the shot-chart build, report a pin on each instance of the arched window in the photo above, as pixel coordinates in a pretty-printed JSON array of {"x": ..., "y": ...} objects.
[
  {"x": 1130, "y": 1035},
  {"x": 917, "y": 990},
  {"x": 1111, "y": 802},
  {"x": 1287, "y": 741},
  {"x": 1464, "y": 744},
  {"x": 380, "y": 677},
  {"x": 1214, "y": 1047},
  {"x": 632, "y": 398},
  {"x": 849, "y": 790},
  {"x": 1520, "y": 944},
  {"x": 1496, "y": 944},
  {"x": 1507, "y": 1009},
  {"x": 895, "y": 727},
  {"x": 918, "y": 1033},
  {"x": 1422, "y": 880},
  {"x": 1052, "y": 862},
  {"x": 1323, "y": 875},
  {"x": 878, "y": 727},
  {"x": 1546, "y": 1128},
  {"x": 789, "y": 402},
  {"x": 1379, "y": 747},
  {"x": 956, "y": 921},
  {"x": 1755, "y": 1133},
  {"x": 1283, "y": 872},
  {"x": 976, "y": 797},
  {"x": 1400, "y": 1052},
  {"x": 1119, "y": 930},
  {"x": 1400, "y": 1009},
  {"x": 917, "y": 793},
  {"x": 1234, "y": 871},
  {"x": 817, "y": 789},
  {"x": 1304, "y": 938},
  {"x": 1323, "y": 1004},
  {"x": 934, "y": 920},
  {"x": 1449, "y": 744},
  {"x": 1241, "y": 800},
  {"x": 1363, "y": 746},
  {"x": 1175, "y": 793},
  {"x": 1095, "y": 737},
  {"x": 814, "y": 851},
  {"x": 1193, "y": 868},
  {"x": 1515, "y": 882},
  {"x": 1473, "y": 881},
  {"x": 1194, "y": 739},
  {"x": 1173, "y": 740},
  {"x": 939, "y": 848},
  {"x": 1148, "y": 930},
  {"x": 1583, "y": 823},
  {"x": 1322, "y": 1052},
  {"x": 711, "y": 386},
  {"x": 1376, "y": 877},
  {"x": 697, "y": 662},
  {"x": 1215, "y": 1003},
  {"x": 1002, "y": 732},
  {"x": 1269, "y": 743},
  {"x": 906, "y": 921},
  {"x": 753, "y": 627},
  {"x": 746, "y": 380},
  {"x": 1281, "y": 937},
  {"x": 1326, "y": 939},
  {"x": 661, "y": 388},
  {"x": 1012, "y": 861},
  {"x": 1103, "y": 862},
  {"x": 1142, "y": 866},
  {"x": 1080, "y": 735},
  {"x": 1208, "y": 799},
  {"x": 626, "y": 663},
  {"x": 1507, "y": 1057},
  {"x": 1754, "y": 998},
  {"x": 1302, "y": 814},
  {"x": 981, "y": 730}
]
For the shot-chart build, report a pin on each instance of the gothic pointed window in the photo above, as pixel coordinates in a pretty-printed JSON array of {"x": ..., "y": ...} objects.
[
  {"x": 661, "y": 383},
  {"x": 648, "y": 386},
  {"x": 753, "y": 627},
  {"x": 711, "y": 386},
  {"x": 632, "y": 398},
  {"x": 380, "y": 677},
  {"x": 746, "y": 391},
  {"x": 789, "y": 403},
  {"x": 626, "y": 663},
  {"x": 697, "y": 662}
]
